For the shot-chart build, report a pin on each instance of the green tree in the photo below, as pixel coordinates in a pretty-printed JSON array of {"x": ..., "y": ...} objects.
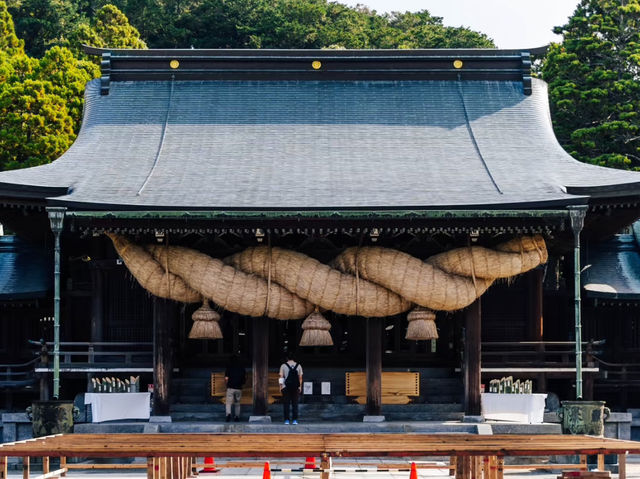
[
  {"x": 35, "y": 125},
  {"x": 9, "y": 42},
  {"x": 68, "y": 77},
  {"x": 109, "y": 28},
  {"x": 43, "y": 23},
  {"x": 312, "y": 24},
  {"x": 594, "y": 83},
  {"x": 40, "y": 100}
]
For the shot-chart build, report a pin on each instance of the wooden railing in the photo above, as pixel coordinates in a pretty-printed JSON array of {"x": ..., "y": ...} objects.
[
  {"x": 615, "y": 375},
  {"x": 17, "y": 375},
  {"x": 97, "y": 356},
  {"x": 541, "y": 354}
]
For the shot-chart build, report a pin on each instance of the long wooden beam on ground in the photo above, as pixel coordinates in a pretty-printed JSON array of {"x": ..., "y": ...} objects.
[{"x": 172, "y": 455}]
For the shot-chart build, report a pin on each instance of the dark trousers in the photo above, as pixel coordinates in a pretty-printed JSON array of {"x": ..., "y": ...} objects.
[{"x": 290, "y": 398}]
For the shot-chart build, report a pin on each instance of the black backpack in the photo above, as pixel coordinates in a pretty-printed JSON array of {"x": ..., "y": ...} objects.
[{"x": 293, "y": 380}]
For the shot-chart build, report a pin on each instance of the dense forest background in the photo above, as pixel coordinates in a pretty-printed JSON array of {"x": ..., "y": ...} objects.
[{"x": 593, "y": 75}]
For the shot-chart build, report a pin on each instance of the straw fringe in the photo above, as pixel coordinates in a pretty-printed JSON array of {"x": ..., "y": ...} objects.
[
  {"x": 316, "y": 331},
  {"x": 421, "y": 325}
]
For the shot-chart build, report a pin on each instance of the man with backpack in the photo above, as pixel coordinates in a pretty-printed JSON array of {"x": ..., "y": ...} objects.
[{"x": 290, "y": 385}]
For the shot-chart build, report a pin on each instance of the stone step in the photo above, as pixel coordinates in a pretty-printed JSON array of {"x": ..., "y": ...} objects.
[
  {"x": 386, "y": 408},
  {"x": 276, "y": 413}
]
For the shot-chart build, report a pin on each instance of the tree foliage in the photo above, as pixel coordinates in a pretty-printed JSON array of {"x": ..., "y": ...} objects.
[
  {"x": 40, "y": 100},
  {"x": 108, "y": 28},
  {"x": 230, "y": 24},
  {"x": 594, "y": 83}
]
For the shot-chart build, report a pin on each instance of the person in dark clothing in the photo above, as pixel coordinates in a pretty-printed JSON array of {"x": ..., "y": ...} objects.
[
  {"x": 234, "y": 378},
  {"x": 291, "y": 385}
]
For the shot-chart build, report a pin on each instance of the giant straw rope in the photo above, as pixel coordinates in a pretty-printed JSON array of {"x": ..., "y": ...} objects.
[{"x": 365, "y": 281}]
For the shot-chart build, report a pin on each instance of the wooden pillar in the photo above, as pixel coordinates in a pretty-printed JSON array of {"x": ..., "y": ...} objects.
[
  {"x": 260, "y": 365},
  {"x": 97, "y": 304},
  {"x": 536, "y": 321},
  {"x": 25, "y": 467},
  {"x": 472, "y": 359},
  {"x": 164, "y": 315},
  {"x": 374, "y": 366},
  {"x": 4, "y": 467},
  {"x": 622, "y": 466}
]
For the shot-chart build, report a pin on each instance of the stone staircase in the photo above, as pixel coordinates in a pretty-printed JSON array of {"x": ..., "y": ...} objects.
[{"x": 440, "y": 400}]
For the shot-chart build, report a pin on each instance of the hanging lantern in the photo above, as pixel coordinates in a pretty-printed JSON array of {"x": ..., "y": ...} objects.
[
  {"x": 316, "y": 331},
  {"x": 205, "y": 323},
  {"x": 422, "y": 324}
]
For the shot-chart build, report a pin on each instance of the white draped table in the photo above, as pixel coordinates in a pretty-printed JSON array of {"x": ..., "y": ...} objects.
[
  {"x": 526, "y": 408},
  {"x": 112, "y": 406}
]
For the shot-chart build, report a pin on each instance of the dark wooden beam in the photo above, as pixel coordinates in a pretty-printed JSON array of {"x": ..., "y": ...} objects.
[
  {"x": 374, "y": 366},
  {"x": 260, "y": 365},
  {"x": 472, "y": 359},
  {"x": 536, "y": 320},
  {"x": 97, "y": 305},
  {"x": 164, "y": 316}
]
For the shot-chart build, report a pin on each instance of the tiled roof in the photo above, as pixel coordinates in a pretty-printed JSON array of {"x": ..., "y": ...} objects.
[{"x": 287, "y": 144}]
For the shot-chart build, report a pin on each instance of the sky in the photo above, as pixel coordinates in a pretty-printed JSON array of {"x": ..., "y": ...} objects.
[{"x": 510, "y": 23}]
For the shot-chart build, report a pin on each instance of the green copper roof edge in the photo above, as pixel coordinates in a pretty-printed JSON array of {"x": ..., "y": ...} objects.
[{"x": 320, "y": 214}]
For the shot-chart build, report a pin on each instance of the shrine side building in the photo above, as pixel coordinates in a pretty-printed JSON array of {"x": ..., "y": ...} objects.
[{"x": 312, "y": 154}]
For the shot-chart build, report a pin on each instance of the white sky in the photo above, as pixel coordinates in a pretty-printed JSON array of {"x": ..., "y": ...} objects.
[{"x": 510, "y": 23}]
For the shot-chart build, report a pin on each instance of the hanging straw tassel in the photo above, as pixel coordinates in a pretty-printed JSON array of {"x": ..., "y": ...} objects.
[
  {"x": 422, "y": 324},
  {"x": 316, "y": 331},
  {"x": 205, "y": 323}
]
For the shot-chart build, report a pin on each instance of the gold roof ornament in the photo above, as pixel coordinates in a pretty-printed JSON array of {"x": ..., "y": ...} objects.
[
  {"x": 316, "y": 65},
  {"x": 458, "y": 64},
  {"x": 174, "y": 64}
]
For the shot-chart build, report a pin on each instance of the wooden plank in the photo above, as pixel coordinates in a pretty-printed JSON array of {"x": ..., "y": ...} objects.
[
  {"x": 601, "y": 462},
  {"x": 25, "y": 467},
  {"x": 397, "y": 386},
  {"x": 45, "y": 464},
  {"x": 63, "y": 465}
]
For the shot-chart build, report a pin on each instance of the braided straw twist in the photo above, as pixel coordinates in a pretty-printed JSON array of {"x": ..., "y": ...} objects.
[{"x": 368, "y": 281}]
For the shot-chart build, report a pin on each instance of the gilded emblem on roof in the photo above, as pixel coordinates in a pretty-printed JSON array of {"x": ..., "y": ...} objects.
[
  {"x": 316, "y": 65},
  {"x": 457, "y": 63},
  {"x": 174, "y": 64}
]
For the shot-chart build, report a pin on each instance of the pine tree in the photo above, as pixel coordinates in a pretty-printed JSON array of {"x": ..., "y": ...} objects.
[{"x": 594, "y": 83}]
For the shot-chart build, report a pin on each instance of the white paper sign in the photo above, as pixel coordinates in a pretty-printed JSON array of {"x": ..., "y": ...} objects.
[
  {"x": 325, "y": 388},
  {"x": 307, "y": 387}
]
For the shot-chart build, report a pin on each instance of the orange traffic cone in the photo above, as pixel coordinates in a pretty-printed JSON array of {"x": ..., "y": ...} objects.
[
  {"x": 266, "y": 474},
  {"x": 414, "y": 471},
  {"x": 310, "y": 463},
  {"x": 210, "y": 465}
]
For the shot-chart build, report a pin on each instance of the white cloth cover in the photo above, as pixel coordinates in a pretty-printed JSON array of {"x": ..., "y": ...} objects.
[
  {"x": 525, "y": 408},
  {"x": 112, "y": 406}
]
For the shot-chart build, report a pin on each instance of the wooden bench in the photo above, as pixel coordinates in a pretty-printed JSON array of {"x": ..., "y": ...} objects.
[
  {"x": 219, "y": 388},
  {"x": 174, "y": 456},
  {"x": 397, "y": 387}
]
